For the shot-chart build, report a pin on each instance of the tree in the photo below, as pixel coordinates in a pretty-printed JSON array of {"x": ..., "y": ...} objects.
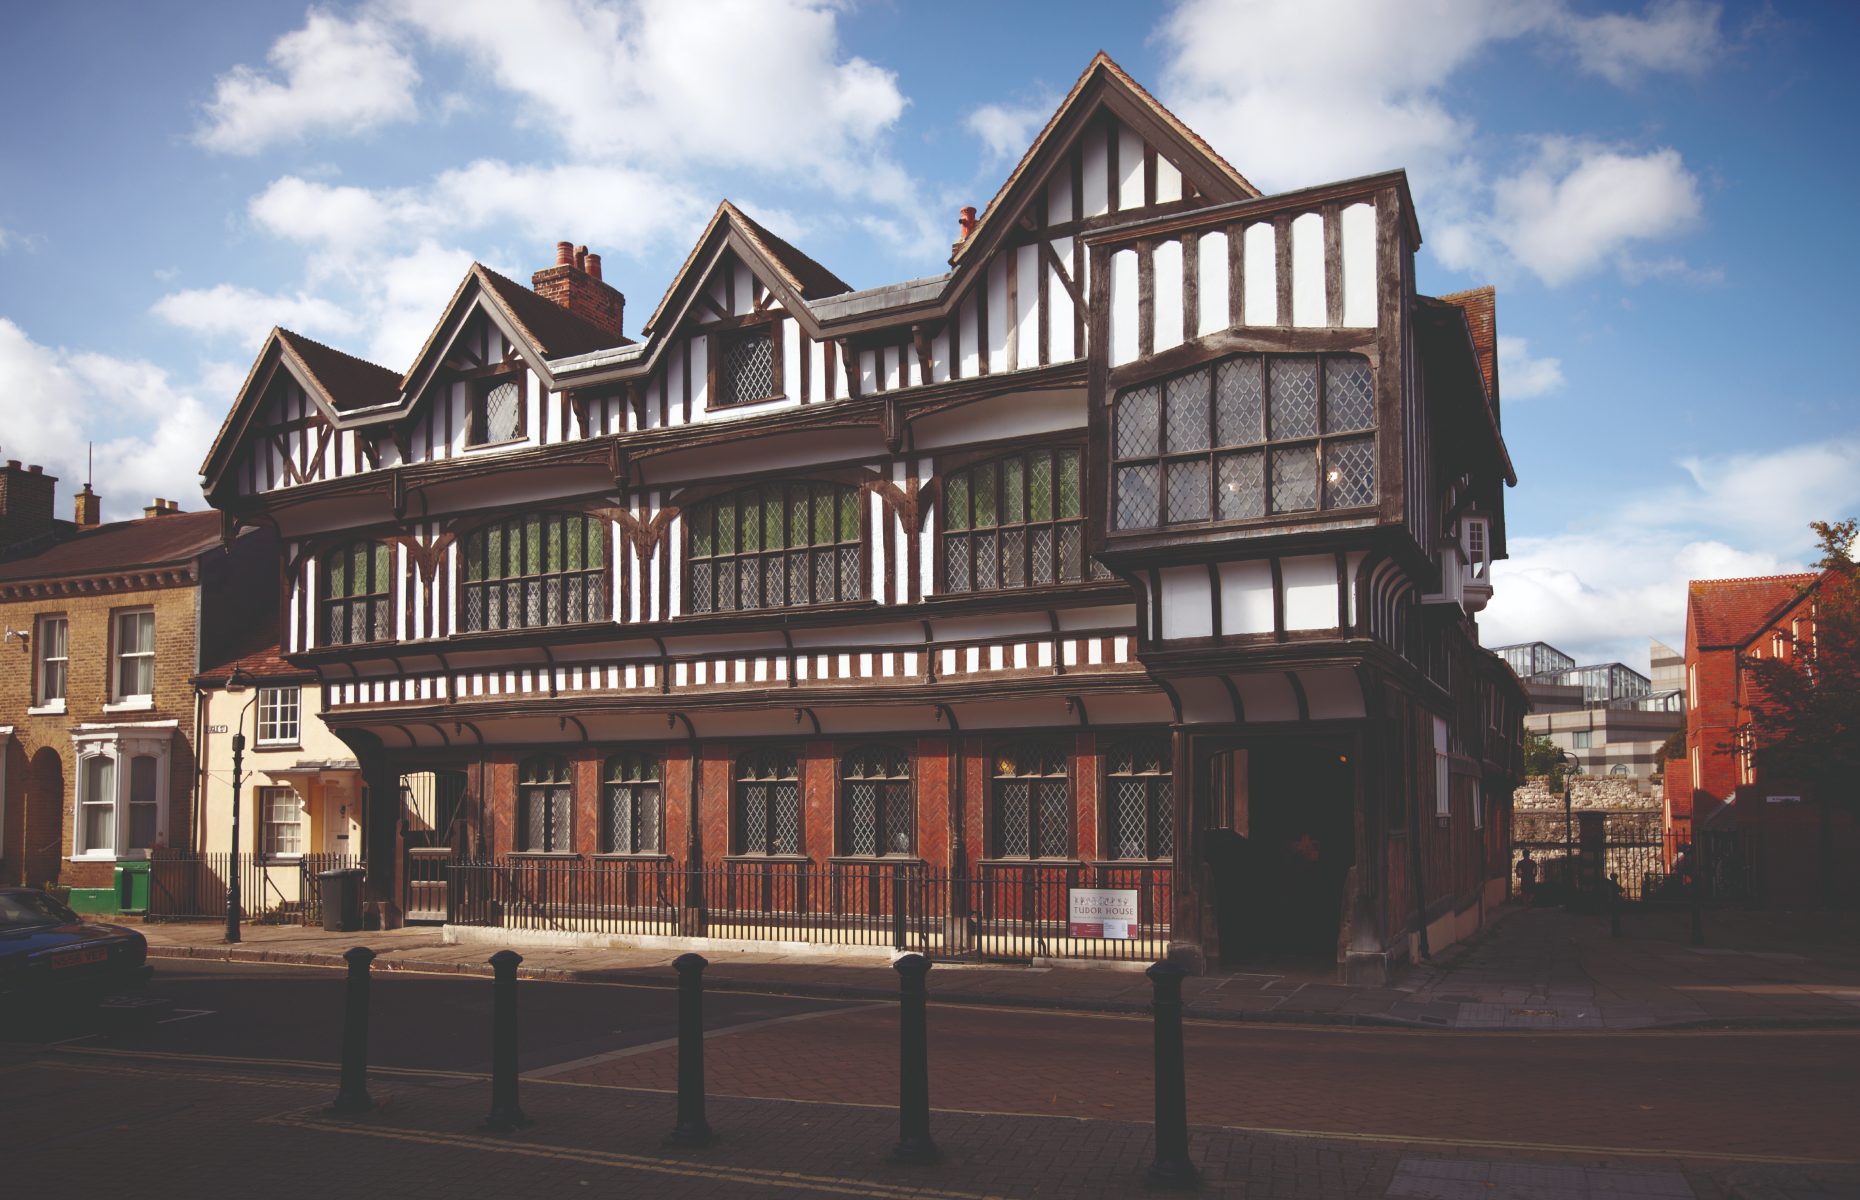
[
  {"x": 1542, "y": 757},
  {"x": 1805, "y": 706}
]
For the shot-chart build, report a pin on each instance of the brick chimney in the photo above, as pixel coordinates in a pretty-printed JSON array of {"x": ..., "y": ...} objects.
[
  {"x": 574, "y": 282},
  {"x": 26, "y": 495},
  {"x": 161, "y": 508},
  {"x": 89, "y": 512}
]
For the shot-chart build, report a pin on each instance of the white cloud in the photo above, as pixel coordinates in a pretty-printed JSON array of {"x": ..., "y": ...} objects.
[
  {"x": 1680, "y": 36},
  {"x": 1299, "y": 92},
  {"x": 150, "y": 432},
  {"x": 1007, "y": 130},
  {"x": 339, "y": 76},
  {"x": 226, "y": 310},
  {"x": 1522, "y": 375},
  {"x": 1600, "y": 591}
]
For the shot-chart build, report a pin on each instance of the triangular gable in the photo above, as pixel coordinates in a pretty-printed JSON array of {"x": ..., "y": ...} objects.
[
  {"x": 537, "y": 328},
  {"x": 1103, "y": 85},
  {"x": 791, "y": 275},
  {"x": 339, "y": 386}
]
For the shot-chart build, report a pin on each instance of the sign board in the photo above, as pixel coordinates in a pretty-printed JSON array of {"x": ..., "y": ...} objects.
[
  {"x": 1785, "y": 799},
  {"x": 216, "y": 729},
  {"x": 1101, "y": 912}
]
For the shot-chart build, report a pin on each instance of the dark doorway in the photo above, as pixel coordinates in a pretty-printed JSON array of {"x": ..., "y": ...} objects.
[{"x": 1281, "y": 842}]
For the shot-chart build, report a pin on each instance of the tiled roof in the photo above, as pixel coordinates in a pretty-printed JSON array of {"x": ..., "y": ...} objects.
[
  {"x": 1728, "y": 612},
  {"x": 556, "y": 331},
  {"x": 263, "y": 662},
  {"x": 813, "y": 279},
  {"x": 1480, "y": 305},
  {"x": 118, "y": 546},
  {"x": 347, "y": 382}
]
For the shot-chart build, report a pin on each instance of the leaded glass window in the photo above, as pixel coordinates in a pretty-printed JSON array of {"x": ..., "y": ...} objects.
[
  {"x": 876, "y": 811},
  {"x": 748, "y": 367},
  {"x": 1015, "y": 522},
  {"x": 545, "y": 798},
  {"x": 1032, "y": 796},
  {"x": 357, "y": 593},
  {"x": 496, "y": 411},
  {"x": 535, "y": 570},
  {"x": 775, "y": 545},
  {"x": 768, "y": 803},
  {"x": 631, "y": 810},
  {"x": 1246, "y": 437},
  {"x": 1140, "y": 798}
]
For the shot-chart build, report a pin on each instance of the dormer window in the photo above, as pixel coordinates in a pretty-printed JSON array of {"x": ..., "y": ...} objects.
[
  {"x": 747, "y": 367},
  {"x": 496, "y": 411}
]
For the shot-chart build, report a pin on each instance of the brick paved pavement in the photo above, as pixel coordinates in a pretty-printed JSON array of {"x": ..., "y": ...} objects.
[
  {"x": 1543, "y": 969},
  {"x": 179, "y": 1129}
]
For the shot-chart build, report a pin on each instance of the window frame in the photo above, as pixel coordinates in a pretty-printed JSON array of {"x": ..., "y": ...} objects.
[
  {"x": 477, "y": 437},
  {"x": 657, "y": 784},
  {"x": 739, "y": 842},
  {"x": 119, "y": 698},
  {"x": 708, "y": 507},
  {"x": 278, "y": 694},
  {"x": 1108, "y": 800},
  {"x": 478, "y": 538},
  {"x": 1319, "y": 441},
  {"x": 42, "y": 698},
  {"x": 994, "y": 826},
  {"x": 529, "y": 790},
  {"x": 1090, "y": 570},
  {"x": 389, "y": 589},
  {"x": 716, "y": 349},
  {"x": 883, "y": 802},
  {"x": 268, "y": 824}
]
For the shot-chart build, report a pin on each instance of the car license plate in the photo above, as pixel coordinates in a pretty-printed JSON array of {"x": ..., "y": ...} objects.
[{"x": 78, "y": 958}]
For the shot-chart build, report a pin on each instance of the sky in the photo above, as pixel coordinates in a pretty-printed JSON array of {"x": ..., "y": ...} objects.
[{"x": 1655, "y": 189}]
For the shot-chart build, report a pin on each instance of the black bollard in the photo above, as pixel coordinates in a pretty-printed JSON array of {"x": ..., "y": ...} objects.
[
  {"x": 692, "y": 1128},
  {"x": 1614, "y": 906},
  {"x": 505, "y": 1113},
  {"x": 914, "y": 1144},
  {"x": 1171, "y": 1168},
  {"x": 352, "y": 1094}
]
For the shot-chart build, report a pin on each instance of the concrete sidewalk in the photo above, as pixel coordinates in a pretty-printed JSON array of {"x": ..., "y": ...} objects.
[{"x": 1543, "y": 969}]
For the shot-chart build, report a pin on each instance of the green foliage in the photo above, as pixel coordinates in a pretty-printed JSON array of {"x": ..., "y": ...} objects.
[
  {"x": 1805, "y": 705},
  {"x": 1541, "y": 757}
]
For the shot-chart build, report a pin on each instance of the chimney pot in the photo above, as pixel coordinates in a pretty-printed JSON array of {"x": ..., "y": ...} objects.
[
  {"x": 565, "y": 254},
  {"x": 581, "y": 259},
  {"x": 12, "y": 464},
  {"x": 36, "y": 469},
  {"x": 89, "y": 512},
  {"x": 968, "y": 222},
  {"x": 593, "y": 266}
]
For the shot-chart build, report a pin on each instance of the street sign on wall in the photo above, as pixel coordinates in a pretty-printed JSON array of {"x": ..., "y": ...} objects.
[{"x": 1101, "y": 912}]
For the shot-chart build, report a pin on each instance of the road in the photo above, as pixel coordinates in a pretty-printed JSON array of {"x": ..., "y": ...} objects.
[{"x": 789, "y": 1077}]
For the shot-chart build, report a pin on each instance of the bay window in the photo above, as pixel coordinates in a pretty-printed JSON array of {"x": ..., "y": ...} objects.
[
  {"x": 774, "y": 546},
  {"x": 537, "y": 570}
]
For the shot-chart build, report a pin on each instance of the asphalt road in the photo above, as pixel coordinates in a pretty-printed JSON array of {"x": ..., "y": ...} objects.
[{"x": 435, "y": 1022}]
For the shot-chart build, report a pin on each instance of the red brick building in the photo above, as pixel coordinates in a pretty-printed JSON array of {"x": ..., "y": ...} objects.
[{"x": 1720, "y": 786}]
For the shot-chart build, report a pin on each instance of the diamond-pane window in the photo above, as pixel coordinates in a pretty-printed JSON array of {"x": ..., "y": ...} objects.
[
  {"x": 1002, "y": 520},
  {"x": 1032, "y": 792},
  {"x": 1349, "y": 472},
  {"x": 768, "y": 803},
  {"x": 1294, "y": 479},
  {"x": 1140, "y": 785},
  {"x": 1349, "y": 394},
  {"x": 774, "y": 546},
  {"x": 355, "y": 593},
  {"x": 746, "y": 372},
  {"x": 875, "y": 789},
  {"x": 544, "y": 801},
  {"x": 630, "y": 796},
  {"x": 1294, "y": 398},
  {"x": 1172, "y": 435},
  {"x": 539, "y": 570},
  {"x": 1240, "y": 485}
]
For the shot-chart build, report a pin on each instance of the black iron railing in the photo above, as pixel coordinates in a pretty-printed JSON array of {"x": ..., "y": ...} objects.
[
  {"x": 1004, "y": 911},
  {"x": 273, "y": 890}
]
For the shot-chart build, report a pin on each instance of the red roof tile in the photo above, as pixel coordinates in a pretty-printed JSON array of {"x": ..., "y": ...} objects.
[
  {"x": 118, "y": 546},
  {"x": 263, "y": 662},
  {"x": 347, "y": 381},
  {"x": 1480, "y": 306},
  {"x": 556, "y": 331},
  {"x": 1728, "y": 612}
]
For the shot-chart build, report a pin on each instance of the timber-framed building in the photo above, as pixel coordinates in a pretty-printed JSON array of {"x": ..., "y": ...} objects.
[{"x": 1145, "y": 542}]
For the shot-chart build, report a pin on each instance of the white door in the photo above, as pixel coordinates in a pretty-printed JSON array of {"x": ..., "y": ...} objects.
[{"x": 339, "y": 812}]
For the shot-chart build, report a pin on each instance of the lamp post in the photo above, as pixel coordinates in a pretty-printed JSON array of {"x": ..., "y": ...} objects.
[{"x": 236, "y": 683}]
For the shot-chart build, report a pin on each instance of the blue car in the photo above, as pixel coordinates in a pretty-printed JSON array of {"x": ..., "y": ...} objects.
[{"x": 49, "y": 953}]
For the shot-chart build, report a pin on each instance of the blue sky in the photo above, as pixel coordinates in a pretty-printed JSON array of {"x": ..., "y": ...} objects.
[{"x": 1654, "y": 188}]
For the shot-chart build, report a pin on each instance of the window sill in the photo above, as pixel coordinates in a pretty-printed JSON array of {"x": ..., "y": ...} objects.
[
  {"x": 1133, "y": 863},
  {"x": 55, "y": 709},
  {"x": 474, "y": 447},
  {"x": 622, "y": 856},
  {"x": 109, "y": 856},
  {"x": 1034, "y": 862},
  {"x": 554, "y": 855},
  {"x": 131, "y": 704},
  {"x": 291, "y": 745},
  {"x": 735, "y": 405},
  {"x": 784, "y": 859},
  {"x": 878, "y": 860}
]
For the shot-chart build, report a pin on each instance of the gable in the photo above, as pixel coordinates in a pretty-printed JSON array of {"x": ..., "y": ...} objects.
[{"x": 290, "y": 439}]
